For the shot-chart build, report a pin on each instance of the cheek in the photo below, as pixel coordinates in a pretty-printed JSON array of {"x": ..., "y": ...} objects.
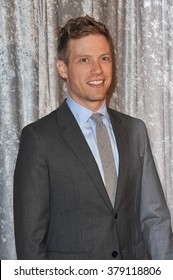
[
  {"x": 75, "y": 74},
  {"x": 77, "y": 77},
  {"x": 109, "y": 70},
  {"x": 75, "y": 81}
]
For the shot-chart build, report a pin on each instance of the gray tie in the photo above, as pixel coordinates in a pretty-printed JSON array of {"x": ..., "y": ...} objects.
[{"x": 106, "y": 155}]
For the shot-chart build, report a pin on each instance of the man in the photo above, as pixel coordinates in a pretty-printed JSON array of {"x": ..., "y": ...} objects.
[{"x": 85, "y": 184}]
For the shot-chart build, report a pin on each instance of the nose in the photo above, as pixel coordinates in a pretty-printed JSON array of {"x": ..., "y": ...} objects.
[{"x": 96, "y": 68}]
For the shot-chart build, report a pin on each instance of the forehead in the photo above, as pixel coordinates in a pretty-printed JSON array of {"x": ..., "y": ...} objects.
[{"x": 89, "y": 45}]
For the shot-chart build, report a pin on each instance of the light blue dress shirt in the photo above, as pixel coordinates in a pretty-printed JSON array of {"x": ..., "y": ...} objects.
[{"x": 88, "y": 127}]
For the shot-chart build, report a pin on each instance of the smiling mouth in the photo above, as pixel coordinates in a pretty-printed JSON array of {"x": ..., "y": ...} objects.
[{"x": 96, "y": 83}]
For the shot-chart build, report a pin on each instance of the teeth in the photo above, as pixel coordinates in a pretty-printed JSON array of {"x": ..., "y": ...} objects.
[{"x": 96, "y": 82}]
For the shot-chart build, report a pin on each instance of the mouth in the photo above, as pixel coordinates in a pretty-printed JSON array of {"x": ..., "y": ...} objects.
[{"x": 96, "y": 83}]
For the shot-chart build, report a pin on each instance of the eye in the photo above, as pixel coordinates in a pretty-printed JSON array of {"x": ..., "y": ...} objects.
[
  {"x": 84, "y": 60},
  {"x": 106, "y": 58}
]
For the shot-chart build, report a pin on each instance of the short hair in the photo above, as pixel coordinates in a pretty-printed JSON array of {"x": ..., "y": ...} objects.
[{"x": 78, "y": 28}]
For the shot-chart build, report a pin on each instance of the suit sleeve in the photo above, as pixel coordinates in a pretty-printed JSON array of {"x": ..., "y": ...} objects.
[
  {"x": 155, "y": 216},
  {"x": 31, "y": 198}
]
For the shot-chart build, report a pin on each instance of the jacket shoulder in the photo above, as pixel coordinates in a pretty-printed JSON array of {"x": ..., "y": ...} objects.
[
  {"x": 47, "y": 122},
  {"x": 43, "y": 124},
  {"x": 127, "y": 120}
]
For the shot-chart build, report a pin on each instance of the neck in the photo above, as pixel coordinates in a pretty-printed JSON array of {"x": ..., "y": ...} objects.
[{"x": 93, "y": 106}]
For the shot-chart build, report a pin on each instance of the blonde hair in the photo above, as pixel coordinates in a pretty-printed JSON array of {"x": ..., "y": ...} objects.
[{"x": 78, "y": 28}]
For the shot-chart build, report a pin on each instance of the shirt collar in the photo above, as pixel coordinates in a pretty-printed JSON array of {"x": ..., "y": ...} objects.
[{"x": 82, "y": 114}]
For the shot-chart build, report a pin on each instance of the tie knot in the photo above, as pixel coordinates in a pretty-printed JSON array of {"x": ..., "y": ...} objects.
[{"x": 97, "y": 118}]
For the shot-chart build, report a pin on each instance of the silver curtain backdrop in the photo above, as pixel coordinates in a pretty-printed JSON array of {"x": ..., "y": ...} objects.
[{"x": 142, "y": 31}]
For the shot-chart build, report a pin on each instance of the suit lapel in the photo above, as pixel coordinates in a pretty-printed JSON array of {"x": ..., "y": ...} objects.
[
  {"x": 73, "y": 136},
  {"x": 123, "y": 149}
]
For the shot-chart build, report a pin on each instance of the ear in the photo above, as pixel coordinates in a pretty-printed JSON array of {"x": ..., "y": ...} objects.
[{"x": 62, "y": 68}]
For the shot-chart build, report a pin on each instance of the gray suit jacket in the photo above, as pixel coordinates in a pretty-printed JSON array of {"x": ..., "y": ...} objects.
[{"x": 61, "y": 208}]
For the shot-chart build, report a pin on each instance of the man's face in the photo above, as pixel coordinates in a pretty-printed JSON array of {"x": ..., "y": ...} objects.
[{"x": 89, "y": 70}]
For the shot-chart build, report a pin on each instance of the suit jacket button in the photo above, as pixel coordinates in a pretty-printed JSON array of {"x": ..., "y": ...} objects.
[
  {"x": 114, "y": 254},
  {"x": 116, "y": 216}
]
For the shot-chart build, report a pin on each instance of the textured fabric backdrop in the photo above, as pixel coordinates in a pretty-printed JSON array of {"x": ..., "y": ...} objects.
[{"x": 29, "y": 87}]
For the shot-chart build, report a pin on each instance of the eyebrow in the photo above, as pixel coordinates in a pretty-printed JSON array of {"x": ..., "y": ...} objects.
[{"x": 87, "y": 55}]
